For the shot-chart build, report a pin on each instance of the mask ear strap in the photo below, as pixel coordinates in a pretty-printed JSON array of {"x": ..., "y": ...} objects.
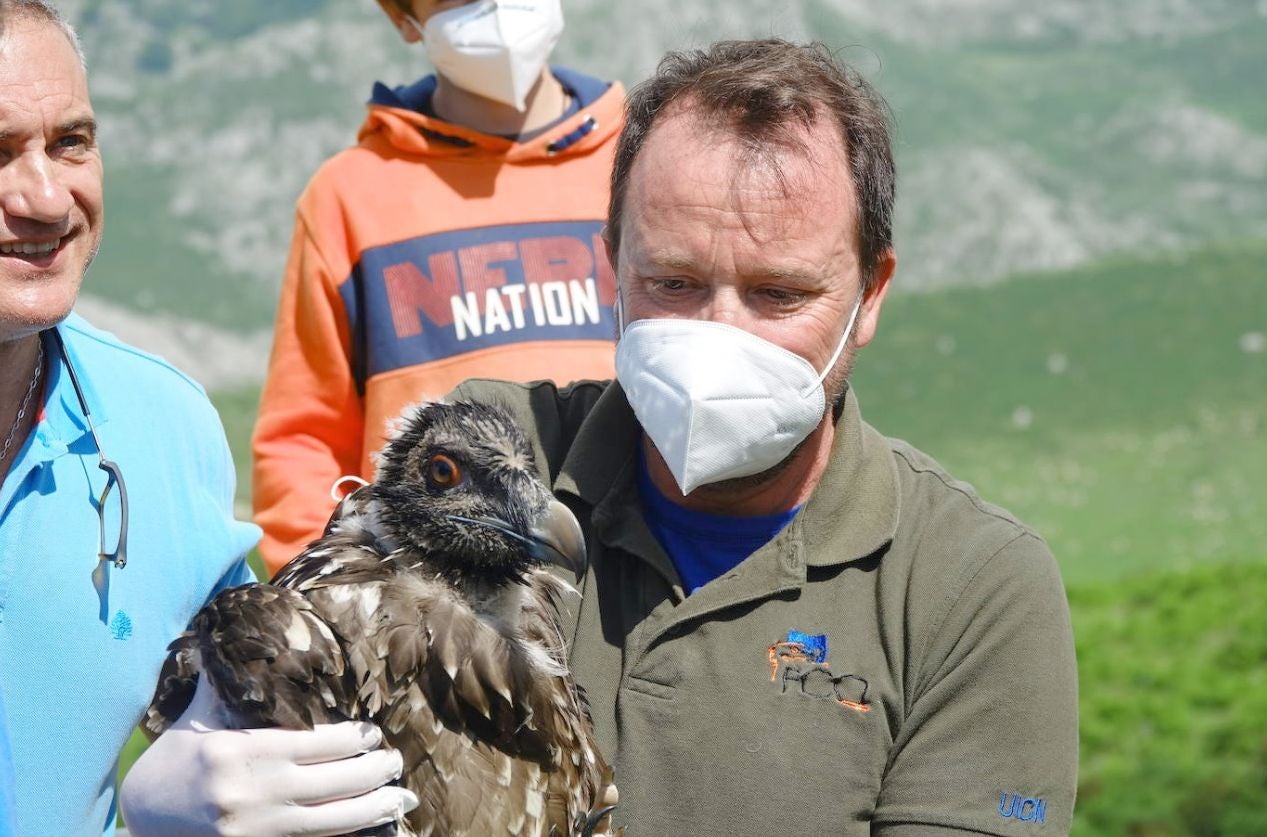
[
  {"x": 840, "y": 347},
  {"x": 618, "y": 310}
]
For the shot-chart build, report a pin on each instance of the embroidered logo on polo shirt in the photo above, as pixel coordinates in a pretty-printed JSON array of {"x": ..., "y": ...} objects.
[
  {"x": 800, "y": 662},
  {"x": 1023, "y": 808},
  {"x": 121, "y": 625}
]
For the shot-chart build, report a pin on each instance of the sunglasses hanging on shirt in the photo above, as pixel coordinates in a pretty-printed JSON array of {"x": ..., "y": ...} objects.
[{"x": 114, "y": 478}]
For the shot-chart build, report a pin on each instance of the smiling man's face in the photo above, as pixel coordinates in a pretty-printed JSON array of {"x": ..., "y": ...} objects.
[{"x": 50, "y": 177}]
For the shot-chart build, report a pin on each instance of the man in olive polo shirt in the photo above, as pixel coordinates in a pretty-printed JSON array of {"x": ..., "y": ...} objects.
[{"x": 791, "y": 624}]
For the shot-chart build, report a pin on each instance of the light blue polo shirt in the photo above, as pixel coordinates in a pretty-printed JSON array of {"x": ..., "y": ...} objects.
[
  {"x": 76, "y": 669},
  {"x": 7, "y": 779}
]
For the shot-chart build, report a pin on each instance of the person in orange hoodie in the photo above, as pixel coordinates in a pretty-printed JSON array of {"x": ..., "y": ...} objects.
[{"x": 459, "y": 238}]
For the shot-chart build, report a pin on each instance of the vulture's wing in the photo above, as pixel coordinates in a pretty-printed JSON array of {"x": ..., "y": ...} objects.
[
  {"x": 270, "y": 656},
  {"x": 273, "y": 659},
  {"x": 179, "y": 676},
  {"x": 176, "y": 685}
]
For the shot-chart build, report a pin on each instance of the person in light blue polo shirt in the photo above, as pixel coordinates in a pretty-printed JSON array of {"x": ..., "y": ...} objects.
[
  {"x": 82, "y": 640},
  {"x": 116, "y": 522}
]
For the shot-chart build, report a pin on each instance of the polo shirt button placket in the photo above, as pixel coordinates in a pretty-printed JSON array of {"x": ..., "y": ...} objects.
[{"x": 794, "y": 558}]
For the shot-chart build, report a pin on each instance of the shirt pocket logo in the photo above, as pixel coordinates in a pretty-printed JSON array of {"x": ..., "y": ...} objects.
[{"x": 799, "y": 663}]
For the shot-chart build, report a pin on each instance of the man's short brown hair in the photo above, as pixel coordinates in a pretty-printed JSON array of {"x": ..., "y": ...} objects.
[{"x": 761, "y": 91}]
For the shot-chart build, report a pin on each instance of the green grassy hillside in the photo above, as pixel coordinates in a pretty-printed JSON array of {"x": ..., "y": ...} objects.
[
  {"x": 1120, "y": 408},
  {"x": 1173, "y": 676}
]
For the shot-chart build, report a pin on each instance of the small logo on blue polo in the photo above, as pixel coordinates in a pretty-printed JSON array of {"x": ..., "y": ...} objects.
[
  {"x": 1023, "y": 808},
  {"x": 121, "y": 625}
]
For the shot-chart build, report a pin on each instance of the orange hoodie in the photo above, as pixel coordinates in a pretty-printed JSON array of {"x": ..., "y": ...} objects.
[{"x": 427, "y": 254}]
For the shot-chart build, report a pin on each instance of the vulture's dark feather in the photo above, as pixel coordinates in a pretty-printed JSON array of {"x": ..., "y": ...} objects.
[{"x": 425, "y": 608}]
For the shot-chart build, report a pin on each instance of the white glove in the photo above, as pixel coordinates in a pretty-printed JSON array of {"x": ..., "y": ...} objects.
[{"x": 200, "y": 779}]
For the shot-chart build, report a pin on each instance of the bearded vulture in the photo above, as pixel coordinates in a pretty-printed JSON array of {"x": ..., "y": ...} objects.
[{"x": 427, "y": 609}]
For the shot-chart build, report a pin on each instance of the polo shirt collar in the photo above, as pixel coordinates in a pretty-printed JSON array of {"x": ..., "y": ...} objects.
[
  {"x": 63, "y": 420},
  {"x": 605, "y": 445},
  {"x": 853, "y": 513},
  {"x": 59, "y": 425},
  {"x": 601, "y": 469}
]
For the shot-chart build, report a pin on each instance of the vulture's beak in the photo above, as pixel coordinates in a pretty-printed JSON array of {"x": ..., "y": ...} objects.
[
  {"x": 555, "y": 539},
  {"x": 561, "y": 538}
]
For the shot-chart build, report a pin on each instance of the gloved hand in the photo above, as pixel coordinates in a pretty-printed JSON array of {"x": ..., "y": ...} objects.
[{"x": 200, "y": 779}]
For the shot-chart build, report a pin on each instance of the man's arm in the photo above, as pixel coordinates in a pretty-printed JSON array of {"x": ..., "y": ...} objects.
[
  {"x": 311, "y": 420},
  {"x": 989, "y": 741}
]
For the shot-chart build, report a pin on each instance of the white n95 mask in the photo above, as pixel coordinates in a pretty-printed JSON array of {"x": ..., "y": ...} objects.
[
  {"x": 718, "y": 401},
  {"x": 494, "y": 48}
]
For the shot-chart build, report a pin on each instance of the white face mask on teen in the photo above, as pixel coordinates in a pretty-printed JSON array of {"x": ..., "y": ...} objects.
[
  {"x": 718, "y": 401},
  {"x": 494, "y": 48}
]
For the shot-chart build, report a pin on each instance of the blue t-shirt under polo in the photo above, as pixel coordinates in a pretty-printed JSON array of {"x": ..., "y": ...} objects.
[{"x": 703, "y": 546}]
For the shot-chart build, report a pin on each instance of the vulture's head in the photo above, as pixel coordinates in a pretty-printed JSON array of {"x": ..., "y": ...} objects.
[{"x": 458, "y": 483}]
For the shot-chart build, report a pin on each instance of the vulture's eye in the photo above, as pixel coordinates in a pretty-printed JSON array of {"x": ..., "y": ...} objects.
[{"x": 442, "y": 472}]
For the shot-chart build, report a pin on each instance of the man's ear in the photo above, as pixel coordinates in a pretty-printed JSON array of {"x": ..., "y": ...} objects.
[
  {"x": 609, "y": 253},
  {"x": 873, "y": 300},
  {"x": 609, "y": 249},
  {"x": 400, "y": 19}
]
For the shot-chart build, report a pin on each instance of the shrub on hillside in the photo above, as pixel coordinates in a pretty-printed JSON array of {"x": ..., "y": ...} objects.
[{"x": 1173, "y": 679}]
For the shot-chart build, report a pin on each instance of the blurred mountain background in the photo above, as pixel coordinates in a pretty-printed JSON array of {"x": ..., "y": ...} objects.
[
  {"x": 1078, "y": 325},
  {"x": 1031, "y": 137}
]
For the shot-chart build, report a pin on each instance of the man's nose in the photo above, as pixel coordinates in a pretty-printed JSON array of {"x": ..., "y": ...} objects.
[
  {"x": 30, "y": 188},
  {"x": 725, "y": 305}
]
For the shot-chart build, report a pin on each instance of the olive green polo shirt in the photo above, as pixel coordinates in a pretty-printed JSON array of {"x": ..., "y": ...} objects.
[{"x": 930, "y": 684}]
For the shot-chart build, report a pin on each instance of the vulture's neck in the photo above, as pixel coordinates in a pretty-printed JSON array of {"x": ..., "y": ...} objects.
[{"x": 524, "y": 614}]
